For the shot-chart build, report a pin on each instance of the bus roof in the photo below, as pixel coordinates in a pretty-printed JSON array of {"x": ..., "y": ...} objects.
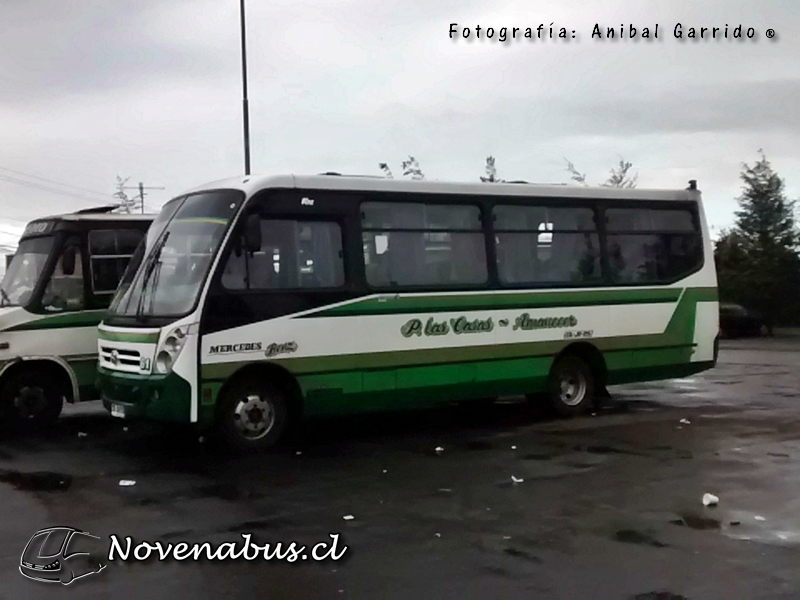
[
  {"x": 253, "y": 183},
  {"x": 46, "y": 225},
  {"x": 96, "y": 216}
]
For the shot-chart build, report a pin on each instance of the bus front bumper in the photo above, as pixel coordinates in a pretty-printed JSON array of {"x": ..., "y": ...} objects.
[{"x": 152, "y": 397}]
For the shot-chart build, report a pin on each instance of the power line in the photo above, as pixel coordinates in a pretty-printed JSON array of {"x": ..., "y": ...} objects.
[
  {"x": 53, "y": 181},
  {"x": 38, "y": 186}
]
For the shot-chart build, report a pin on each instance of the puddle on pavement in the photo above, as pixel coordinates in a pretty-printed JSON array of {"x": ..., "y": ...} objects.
[
  {"x": 523, "y": 554},
  {"x": 221, "y": 491},
  {"x": 697, "y": 522},
  {"x": 632, "y": 536},
  {"x": 538, "y": 456},
  {"x": 40, "y": 481},
  {"x": 478, "y": 445},
  {"x": 602, "y": 450}
]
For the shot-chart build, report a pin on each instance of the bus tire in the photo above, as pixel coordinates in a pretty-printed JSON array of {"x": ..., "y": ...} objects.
[
  {"x": 253, "y": 415},
  {"x": 571, "y": 386},
  {"x": 31, "y": 398}
]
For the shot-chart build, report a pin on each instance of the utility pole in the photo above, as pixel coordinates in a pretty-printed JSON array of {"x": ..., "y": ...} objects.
[
  {"x": 245, "y": 109},
  {"x": 141, "y": 187}
]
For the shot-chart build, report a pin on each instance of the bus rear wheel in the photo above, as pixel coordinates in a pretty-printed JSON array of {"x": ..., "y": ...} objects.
[
  {"x": 31, "y": 399},
  {"x": 571, "y": 386},
  {"x": 252, "y": 415}
]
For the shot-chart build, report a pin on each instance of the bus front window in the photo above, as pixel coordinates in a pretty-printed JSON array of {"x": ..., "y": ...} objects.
[
  {"x": 24, "y": 271},
  {"x": 179, "y": 251}
]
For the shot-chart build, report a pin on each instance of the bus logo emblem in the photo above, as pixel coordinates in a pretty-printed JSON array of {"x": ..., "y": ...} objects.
[{"x": 114, "y": 357}]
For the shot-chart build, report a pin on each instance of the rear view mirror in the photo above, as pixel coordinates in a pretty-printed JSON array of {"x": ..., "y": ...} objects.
[
  {"x": 252, "y": 233},
  {"x": 68, "y": 260}
]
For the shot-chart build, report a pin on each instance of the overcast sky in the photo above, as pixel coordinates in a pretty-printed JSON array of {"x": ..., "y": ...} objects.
[{"x": 151, "y": 90}]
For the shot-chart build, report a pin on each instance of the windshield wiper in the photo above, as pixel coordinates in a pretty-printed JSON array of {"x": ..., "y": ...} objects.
[
  {"x": 155, "y": 259},
  {"x": 4, "y": 299}
]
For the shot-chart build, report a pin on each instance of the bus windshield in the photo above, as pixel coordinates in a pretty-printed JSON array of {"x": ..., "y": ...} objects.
[
  {"x": 167, "y": 272},
  {"x": 25, "y": 271}
]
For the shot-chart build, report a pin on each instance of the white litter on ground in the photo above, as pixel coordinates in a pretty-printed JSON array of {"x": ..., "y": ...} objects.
[
  {"x": 759, "y": 518},
  {"x": 439, "y": 449},
  {"x": 348, "y": 517},
  {"x": 517, "y": 479},
  {"x": 127, "y": 482},
  {"x": 385, "y": 471},
  {"x": 82, "y": 435},
  {"x": 710, "y": 500},
  {"x": 438, "y": 535},
  {"x": 686, "y": 421},
  {"x": 513, "y": 447}
]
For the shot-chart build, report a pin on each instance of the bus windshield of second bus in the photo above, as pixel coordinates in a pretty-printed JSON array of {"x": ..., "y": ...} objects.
[{"x": 25, "y": 270}]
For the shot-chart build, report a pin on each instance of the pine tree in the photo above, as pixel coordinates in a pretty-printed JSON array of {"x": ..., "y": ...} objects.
[
  {"x": 757, "y": 261},
  {"x": 766, "y": 216}
]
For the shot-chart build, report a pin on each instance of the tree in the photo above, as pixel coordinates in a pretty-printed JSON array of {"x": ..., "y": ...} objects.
[
  {"x": 127, "y": 204},
  {"x": 766, "y": 217},
  {"x": 491, "y": 171},
  {"x": 757, "y": 260},
  {"x": 619, "y": 178},
  {"x": 410, "y": 167}
]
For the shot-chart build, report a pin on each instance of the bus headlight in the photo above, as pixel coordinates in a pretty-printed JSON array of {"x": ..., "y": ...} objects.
[
  {"x": 170, "y": 349},
  {"x": 164, "y": 362}
]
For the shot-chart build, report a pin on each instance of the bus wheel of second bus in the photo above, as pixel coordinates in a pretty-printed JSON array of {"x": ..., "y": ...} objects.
[
  {"x": 252, "y": 414},
  {"x": 571, "y": 386},
  {"x": 30, "y": 398}
]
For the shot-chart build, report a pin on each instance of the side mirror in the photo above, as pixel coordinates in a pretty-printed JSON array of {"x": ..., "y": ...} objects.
[
  {"x": 252, "y": 233},
  {"x": 68, "y": 260}
]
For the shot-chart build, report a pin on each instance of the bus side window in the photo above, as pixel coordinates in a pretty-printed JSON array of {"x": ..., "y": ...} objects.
[
  {"x": 110, "y": 251},
  {"x": 652, "y": 245},
  {"x": 65, "y": 291},
  {"x": 293, "y": 255}
]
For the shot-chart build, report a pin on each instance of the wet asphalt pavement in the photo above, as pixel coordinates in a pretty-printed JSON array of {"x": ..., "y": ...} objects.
[{"x": 606, "y": 506}]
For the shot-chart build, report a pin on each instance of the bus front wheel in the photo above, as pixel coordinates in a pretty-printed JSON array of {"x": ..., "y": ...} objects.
[
  {"x": 252, "y": 415},
  {"x": 31, "y": 398},
  {"x": 571, "y": 386}
]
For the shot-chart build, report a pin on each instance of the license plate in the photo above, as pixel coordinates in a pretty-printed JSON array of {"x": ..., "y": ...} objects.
[{"x": 117, "y": 410}]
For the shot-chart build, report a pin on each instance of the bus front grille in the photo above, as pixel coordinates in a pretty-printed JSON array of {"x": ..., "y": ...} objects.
[{"x": 120, "y": 359}]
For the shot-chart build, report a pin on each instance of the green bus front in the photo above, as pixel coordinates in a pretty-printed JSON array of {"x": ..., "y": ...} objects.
[{"x": 147, "y": 344}]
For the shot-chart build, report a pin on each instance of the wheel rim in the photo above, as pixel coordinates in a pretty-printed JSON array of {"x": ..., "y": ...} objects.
[
  {"x": 571, "y": 387},
  {"x": 254, "y": 417},
  {"x": 30, "y": 401}
]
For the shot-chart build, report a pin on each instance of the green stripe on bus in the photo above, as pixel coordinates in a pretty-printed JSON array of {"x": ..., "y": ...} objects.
[
  {"x": 502, "y": 301},
  {"x": 78, "y": 319},
  {"x": 679, "y": 334},
  {"x": 128, "y": 336}
]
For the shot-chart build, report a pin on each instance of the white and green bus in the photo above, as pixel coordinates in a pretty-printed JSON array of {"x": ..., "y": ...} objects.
[
  {"x": 260, "y": 300},
  {"x": 56, "y": 288}
]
